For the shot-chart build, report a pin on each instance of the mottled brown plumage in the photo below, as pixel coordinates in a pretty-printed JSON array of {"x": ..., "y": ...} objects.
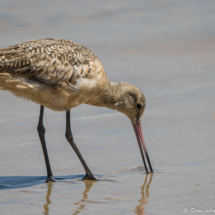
[{"x": 61, "y": 74}]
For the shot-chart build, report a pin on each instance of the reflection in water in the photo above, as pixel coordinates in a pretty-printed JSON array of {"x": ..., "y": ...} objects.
[
  {"x": 139, "y": 210},
  {"x": 80, "y": 203},
  {"x": 49, "y": 191}
]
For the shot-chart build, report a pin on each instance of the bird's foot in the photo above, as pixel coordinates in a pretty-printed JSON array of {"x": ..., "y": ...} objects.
[
  {"x": 89, "y": 177},
  {"x": 50, "y": 179}
]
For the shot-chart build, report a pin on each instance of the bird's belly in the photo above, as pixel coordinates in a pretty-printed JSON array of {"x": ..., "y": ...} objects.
[{"x": 57, "y": 97}]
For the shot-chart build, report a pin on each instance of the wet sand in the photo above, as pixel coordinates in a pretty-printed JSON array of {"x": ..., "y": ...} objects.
[{"x": 167, "y": 49}]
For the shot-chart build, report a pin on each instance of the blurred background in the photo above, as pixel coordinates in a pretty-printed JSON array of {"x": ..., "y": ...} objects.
[{"x": 167, "y": 49}]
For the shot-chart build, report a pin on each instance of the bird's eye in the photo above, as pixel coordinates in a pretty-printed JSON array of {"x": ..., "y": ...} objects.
[{"x": 139, "y": 106}]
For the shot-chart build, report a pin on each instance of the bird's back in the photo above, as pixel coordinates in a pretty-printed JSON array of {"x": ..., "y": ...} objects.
[{"x": 48, "y": 67}]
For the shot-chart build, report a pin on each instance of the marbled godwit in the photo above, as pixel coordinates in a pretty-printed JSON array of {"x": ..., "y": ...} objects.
[{"x": 60, "y": 74}]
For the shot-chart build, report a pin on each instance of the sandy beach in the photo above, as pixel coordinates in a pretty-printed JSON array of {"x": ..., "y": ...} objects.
[{"x": 165, "y": 48}]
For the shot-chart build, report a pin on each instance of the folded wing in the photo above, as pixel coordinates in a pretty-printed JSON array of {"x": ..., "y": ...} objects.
[{"x": 50, "y": 61}]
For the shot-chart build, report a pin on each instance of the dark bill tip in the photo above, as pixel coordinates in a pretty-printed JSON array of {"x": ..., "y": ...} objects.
[{"x": 139, "y": 135}]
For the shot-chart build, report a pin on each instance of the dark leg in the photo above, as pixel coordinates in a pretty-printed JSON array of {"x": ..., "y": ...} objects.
[
  {"x": 41, "y": 131},
  {"x": 89, "y": 175}
]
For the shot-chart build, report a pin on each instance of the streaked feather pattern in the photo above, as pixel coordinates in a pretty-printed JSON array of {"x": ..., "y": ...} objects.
[
  {"x": 60, "y": 74},
  {"x": 50, "y": 60},
  {"x": 49, "y": 63}
]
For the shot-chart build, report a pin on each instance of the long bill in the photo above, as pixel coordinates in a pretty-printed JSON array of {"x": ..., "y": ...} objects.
[{"x": 139, "y": 134}]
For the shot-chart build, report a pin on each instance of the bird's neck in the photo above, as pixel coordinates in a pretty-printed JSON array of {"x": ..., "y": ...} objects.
[{"x": 108, "y": 95}]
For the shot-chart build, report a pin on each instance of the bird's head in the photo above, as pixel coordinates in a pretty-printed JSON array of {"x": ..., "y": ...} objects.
[{"x": 131, "y": 102}]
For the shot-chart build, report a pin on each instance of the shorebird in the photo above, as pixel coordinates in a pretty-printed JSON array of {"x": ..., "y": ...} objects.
[{"x": 61, "y": 74}]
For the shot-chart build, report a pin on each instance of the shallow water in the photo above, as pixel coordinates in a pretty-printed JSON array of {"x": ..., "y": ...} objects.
[
  {"x": 167, "y": 49},
  {"x": 75, "y": 195}
]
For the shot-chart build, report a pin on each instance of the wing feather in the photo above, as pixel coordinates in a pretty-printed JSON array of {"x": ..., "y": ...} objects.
[{"x": 50, "y": 61}]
